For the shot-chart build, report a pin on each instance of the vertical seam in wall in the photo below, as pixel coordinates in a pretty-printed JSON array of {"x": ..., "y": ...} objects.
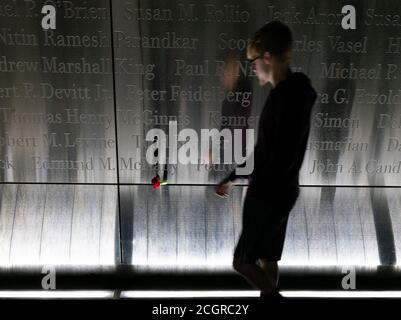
[
  {"x": 43, "y": 222},
  {"x": 360, "y": 223},
  {"x": 306, "y": 230},
  {"x": 72, "y": 223},
  {"x": 176, "y": 231},
  {"x": 100, "y": 224},
  {"x": 233, "y": 217},
  {"x": 205, "y": 219},
  {"x": 147, "y": 231},
  {"x": 115, "y": 123},
  {"x": 335, "y": 230},
  {"x": 12, "y": 229}
]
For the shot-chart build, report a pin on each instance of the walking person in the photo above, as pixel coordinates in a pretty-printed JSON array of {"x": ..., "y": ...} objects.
[{"x": 283, "y": 132}]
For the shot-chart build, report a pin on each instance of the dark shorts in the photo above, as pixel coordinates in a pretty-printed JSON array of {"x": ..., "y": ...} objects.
[{"x": 264, "y": 224}]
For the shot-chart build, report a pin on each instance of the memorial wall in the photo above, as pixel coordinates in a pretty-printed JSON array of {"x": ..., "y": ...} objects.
[
  {"x": 186, "y": 62},
  {"x": 91, "y": 100}
]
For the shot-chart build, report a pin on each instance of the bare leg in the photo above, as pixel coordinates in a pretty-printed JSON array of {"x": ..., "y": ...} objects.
[
  {"x": 271, "y": 270},
  {"x": 256, "y": 276}
]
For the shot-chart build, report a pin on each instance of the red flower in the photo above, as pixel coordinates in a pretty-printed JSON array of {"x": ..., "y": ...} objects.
[{"x": 156, "y": 182}]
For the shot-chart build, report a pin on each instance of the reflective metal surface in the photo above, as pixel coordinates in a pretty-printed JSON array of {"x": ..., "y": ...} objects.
[
  {"x": 356, "y": 120},
  {"x": 58, "y": 225},
  {"x": 189, "y": 227},
  {"x": 328, "y": 226},
  {"x": 56, "y": 108},
  {"x": 186, "y": 62}
]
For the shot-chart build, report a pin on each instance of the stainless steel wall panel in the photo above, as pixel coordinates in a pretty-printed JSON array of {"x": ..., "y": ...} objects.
[
  {"x": 220, "y": 231},
  {"x": 92, "y": 242},
  {"x": 296, "y": 247},
  {"x": 7, "y": 217},
  {"x": 348, "y": 226},
  {"x": 183, "y": 228},
  {"x": 57, "y": 122},
  {"x": 56, "y": 234},
  {"x": 191, "y": 226},
  {"x": 28, "y": 225},
  {"x": 350, "y": 142},
  {"x": 109, "y": 247},
  {"x": 162, "y": 228},
  {"x": 135, "y": 215},
  {"x": 322, "y": 241},
  {"x": 69, "y": 136},
  {"x": 394, "y": 203},
  {"x": 238, "y": 195},
  {"x": 368, "y": 226}
]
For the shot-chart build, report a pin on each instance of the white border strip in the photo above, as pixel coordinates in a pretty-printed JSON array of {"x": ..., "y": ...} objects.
[
  {"x": 55, "y": 294},
  {"x": 351, "y": 294},
  {"x": 66, "y": 294},
  {"x": 190, "y": 294}
]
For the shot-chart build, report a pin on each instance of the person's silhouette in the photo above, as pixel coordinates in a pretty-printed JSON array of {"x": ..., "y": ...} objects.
[{"x": 283, "y": 132}]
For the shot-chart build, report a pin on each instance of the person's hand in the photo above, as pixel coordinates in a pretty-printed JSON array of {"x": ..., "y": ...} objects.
[{"x": 223, "y": 188}]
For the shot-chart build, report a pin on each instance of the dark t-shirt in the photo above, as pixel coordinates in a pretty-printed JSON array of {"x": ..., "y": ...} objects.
[{"x": 283, "y": 132}]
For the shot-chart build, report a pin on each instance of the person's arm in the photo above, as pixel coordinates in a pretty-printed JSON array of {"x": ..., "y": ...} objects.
[
  {"x": 293, "y": 130},
  {"x": 222, "y": 188},
  {"x": 234, "y": 176}
]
